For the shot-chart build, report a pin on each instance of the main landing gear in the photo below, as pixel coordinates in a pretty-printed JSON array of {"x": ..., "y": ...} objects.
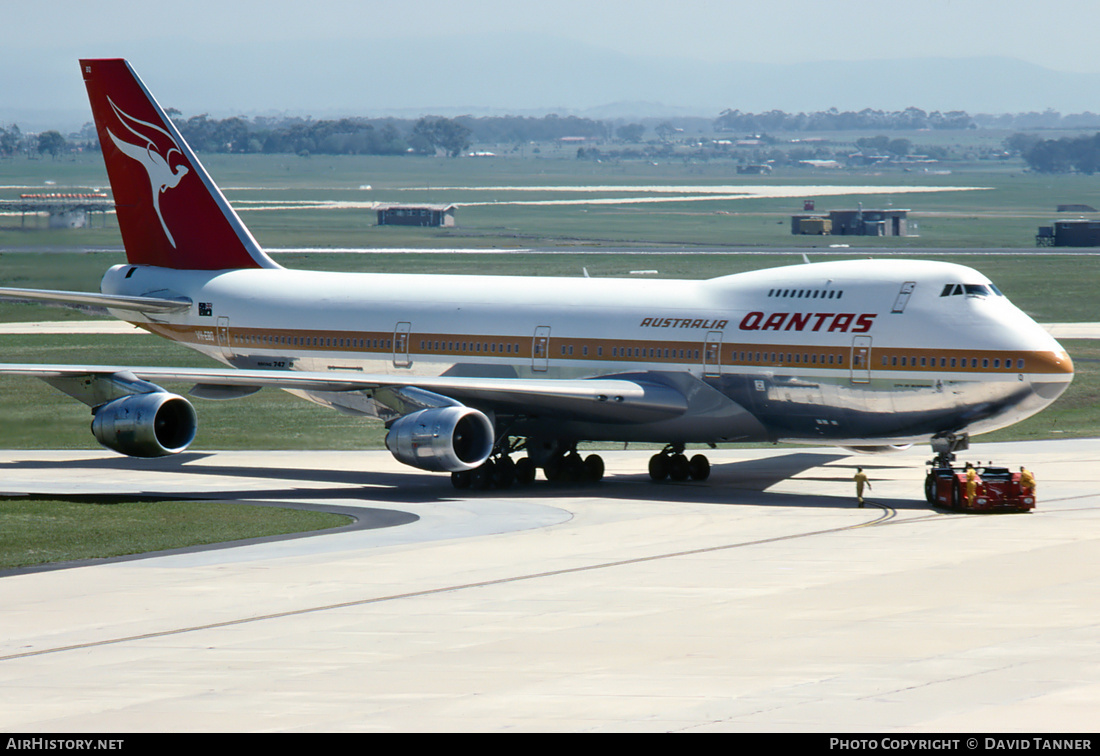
[
  {"x": 672, "y": 463},
  {"x": 560, "y": 462},
  {"x": 503, "y": 472}
]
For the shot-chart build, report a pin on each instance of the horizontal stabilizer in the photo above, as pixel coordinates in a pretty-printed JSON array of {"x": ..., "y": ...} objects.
[{"x": 135, "y": 304}]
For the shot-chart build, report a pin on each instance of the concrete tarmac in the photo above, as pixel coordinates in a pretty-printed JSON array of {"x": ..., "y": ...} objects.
[{"x": 760, "y": 600}]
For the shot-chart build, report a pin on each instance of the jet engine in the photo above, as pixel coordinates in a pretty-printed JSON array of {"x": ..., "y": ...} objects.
[
  {"x": 442, "y": 439},
  {"x": 155, "y": 424}
]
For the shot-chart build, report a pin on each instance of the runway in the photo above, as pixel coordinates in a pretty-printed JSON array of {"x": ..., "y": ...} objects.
[{"x": 761, "y": 600}]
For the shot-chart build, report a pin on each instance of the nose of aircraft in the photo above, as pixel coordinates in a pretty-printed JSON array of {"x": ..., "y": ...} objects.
[{"x": 1052, "y": 373}]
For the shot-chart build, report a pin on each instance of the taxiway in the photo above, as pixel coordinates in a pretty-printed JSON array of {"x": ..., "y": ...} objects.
[{"x": 762, "y": 599}]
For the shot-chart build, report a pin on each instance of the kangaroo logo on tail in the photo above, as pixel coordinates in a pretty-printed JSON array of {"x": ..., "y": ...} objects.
[
  {"x": 162, "y": 176},
  {"x": 198, "y": 229}
]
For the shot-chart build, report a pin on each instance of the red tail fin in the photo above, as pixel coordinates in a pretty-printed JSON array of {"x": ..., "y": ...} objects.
[{"x": 170, "y": 212}]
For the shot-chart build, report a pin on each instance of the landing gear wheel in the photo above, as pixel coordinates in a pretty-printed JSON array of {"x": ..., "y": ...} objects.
[
  {"x": 482, "y": 477},
  {"x": 930, "y": 488},
  {"x": 504, "y": 472},
  {"x": 593, "y": 468},
  {"x": 658, "y": 467},
  {"x": 461, "y": 479},
  {"x": 554, "y": 468},
  {"x": 678, "y": 467},
  {"x": 525, "y": 472},
  {"x": 699, "y": 467},
  {"x": 573, "y": 471}
]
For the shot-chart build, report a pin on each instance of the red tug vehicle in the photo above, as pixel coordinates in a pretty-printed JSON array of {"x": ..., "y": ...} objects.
[{"x": 997, "y": 489}]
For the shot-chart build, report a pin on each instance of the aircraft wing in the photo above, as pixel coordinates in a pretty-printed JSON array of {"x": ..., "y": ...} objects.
[
  {"x": 136, "y": 304},
  {"x": 603, "y": 399}
]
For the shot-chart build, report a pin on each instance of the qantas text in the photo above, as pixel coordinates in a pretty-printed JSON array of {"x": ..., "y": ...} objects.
[{"x": 844, "y": 322}]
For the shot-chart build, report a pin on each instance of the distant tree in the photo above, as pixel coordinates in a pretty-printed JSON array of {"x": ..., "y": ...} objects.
[
  {"x": 1066, "y": 155},
  {"x": 877, "y": 144},
  {"x": 431, "y": 134},
  {"x": 1019, "y": 143},
  {"x": 899, "y": 147},
  {"x": 631, "y": 132},
  {"x": 9, "y": 140},
  {"x": 51, "y": 142}
]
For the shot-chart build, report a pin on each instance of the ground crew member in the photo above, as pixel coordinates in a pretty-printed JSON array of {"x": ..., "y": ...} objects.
[
  {"x": 861, "y": 481},
  {"x": 972, "y": 481},
  {"x": 1027, "y": 481}
]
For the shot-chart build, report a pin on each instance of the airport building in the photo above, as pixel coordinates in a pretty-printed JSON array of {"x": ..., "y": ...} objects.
[
  {"x": 1079, "y": 232},
  {"x": 853, "y": 223},
  {"x": 442, "y": 216}
]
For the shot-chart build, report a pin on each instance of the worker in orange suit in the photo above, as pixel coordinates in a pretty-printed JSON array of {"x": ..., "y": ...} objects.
[
  {"x": 861, "y": 480},
  {"x": 1027, "y": 481},
  {"x": 972, "y": 481}
]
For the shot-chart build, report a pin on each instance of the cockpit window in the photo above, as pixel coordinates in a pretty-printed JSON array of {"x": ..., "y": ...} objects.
[{"x": 975, "y": 290}]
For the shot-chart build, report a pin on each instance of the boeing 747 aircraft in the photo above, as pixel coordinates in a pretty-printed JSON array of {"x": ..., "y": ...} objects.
[{"x": 490, "y": 378}]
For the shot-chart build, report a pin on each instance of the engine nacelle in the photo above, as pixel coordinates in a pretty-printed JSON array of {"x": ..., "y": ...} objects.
[
  {"x": 146, "y": 425},
  {"x": 877, "y": 449},
  {"x": 442, "y": 439}
]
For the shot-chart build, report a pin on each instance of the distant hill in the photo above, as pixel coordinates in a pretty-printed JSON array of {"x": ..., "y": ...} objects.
[{"x": 530, "y": 74}]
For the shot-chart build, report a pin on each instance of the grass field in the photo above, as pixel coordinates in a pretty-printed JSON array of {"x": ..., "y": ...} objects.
[
  {"x": 40, "y": 531},
  {"x": 273, "y": 193}
]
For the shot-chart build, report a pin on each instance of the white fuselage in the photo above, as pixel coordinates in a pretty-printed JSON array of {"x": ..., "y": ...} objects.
[{"x": 851, "y": 352}]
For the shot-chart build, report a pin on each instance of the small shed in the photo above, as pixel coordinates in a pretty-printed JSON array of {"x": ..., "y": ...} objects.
[
  {"x": 416, "y": 215},
  {"x": 1070, "y": 233},
  {"x": 870, "y": 222}
]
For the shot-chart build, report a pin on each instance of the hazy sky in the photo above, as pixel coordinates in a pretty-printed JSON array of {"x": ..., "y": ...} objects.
[
  {"x": 39, "y": 43},
  {"x": 1058, "y": 34}
]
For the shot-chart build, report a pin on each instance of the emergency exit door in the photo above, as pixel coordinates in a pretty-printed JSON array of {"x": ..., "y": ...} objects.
[
  {"x": 903, "y": 296},
  {"x": 860, "y": 365},
  {"x": 401, "y": 336},
  {"x": 540, "y": 349},
  {"x": 223, "y": 337},
  {"x": 712, "y": 354}
]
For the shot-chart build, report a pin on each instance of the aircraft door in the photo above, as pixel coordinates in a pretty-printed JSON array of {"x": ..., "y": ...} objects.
[
  {"x": 860, "y": 364},
  {"x": 540, "y": 349},
  {"x": 903, "y": 296},
  {"x": 401, "y": 337},
  {"x": 223, "y": 337},
  {"x": 712, "y": 355}
]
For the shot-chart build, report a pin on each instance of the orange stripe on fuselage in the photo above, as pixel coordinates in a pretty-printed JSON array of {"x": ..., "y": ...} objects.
[{"x": 379, "y": 344}]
